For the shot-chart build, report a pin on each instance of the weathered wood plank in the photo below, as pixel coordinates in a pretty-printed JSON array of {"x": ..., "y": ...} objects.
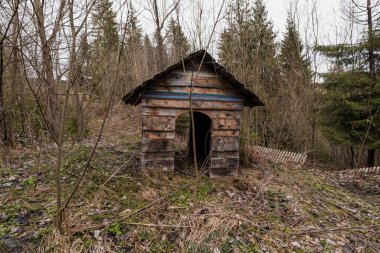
[
  {"x": 224, "y": 133},
  {"x": 157, "y": 145},
  {"x": 158, "y": 112},
  {"x": 157, "y": 156},
  {"x": 206, "y": 105},
  {"x": 226, "y": 124},
  {"x": 159, "y": 123},
  {"x": 227, "y": 114},
  {"x": 225, "y": 144},
  {"x": 223, "y": 172},
  {"x": 157, "y": 165},
  {"x": 158, "y": 135},
  {"x": 196, "y": 89},
  {"x": 232, "y": 162},
  {"x": 224, "y": 154},
  {"x": 185, "y": 96}
]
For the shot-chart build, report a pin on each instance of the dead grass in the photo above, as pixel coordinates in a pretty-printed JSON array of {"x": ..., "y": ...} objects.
[{"x": 267, "y": 208}]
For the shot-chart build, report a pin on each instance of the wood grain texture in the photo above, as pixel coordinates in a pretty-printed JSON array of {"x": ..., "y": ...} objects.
[
  {"x": 223, "y": 172},
  {"x": 158, "y": 123},
  {"x": 157, "y": 156},
  {"x": 225, "y": 144},
  {"x": 157, "y": 165},
  {"x": 226, "y": 124},
  {"x": 159, "y": 135},
  {"x": 223, "y": 162},
  {"x": 149, "y": 146},
  {"x": 197, "y": 105}
]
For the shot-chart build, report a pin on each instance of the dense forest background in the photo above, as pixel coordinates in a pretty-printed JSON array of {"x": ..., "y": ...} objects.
[
  {"x": 65, "y": 65},
  {"x": 58, "y": 58}
]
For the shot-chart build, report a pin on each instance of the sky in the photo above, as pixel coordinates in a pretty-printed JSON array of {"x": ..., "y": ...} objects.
[{"x": 328, "y": 13}]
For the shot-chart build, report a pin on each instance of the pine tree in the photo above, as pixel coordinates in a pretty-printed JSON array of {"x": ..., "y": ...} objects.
[
  {"x": 132, "y": 50},
  {"x": 248, "y": 50},
  {"x": 178, "y": 43},
  {"x": 351, "y": 111},
  {"x": 295, "y": 90},
  {"x": 150, "y": 60},
  {"x": 292, "y": 60},
  {"x": 105, "y": 26}
]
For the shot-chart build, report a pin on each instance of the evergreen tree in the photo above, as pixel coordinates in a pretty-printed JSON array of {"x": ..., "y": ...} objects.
[
  {"x": 133, "y": 50},
  {"x": 150, "y": 60},
  {"x": 133, "y": 35},
  {"x": 351, "y": 111},
  {"x": 295, "y": 90},
  {"x": 178, "y": 43},
  {"x": 292, "y": 60},
  {"x": 247, "y": 49},
  {"x": 105, "y": 26}
]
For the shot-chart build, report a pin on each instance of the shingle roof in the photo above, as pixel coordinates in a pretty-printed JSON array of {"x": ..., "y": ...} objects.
[{"x": 134, "y": 97}]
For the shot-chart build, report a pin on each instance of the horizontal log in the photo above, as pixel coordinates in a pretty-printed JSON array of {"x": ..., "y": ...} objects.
[
  {"x": 185, "y": 96},
  {"x": 227, "y": 114},
  {"x": 225, "y": 144},
  {"x": 226, "y": 124},
  {"x": 150, "y": 146},
  {"x": 206, "y": 105},
  {"x": 158, "y": 112},
  {"x": 196, "y": 89},
  {"x": 225, "y": 133},
  {"x": 159, "y": 123},
  {"x": 231, "y": 163},
  {"x": 223, "y": 172},
  {"x": 158, "y": 135},
  {"x": 157, "y": 165},
  {"x": 224, "y": 154},
  {"x": 157, "y": 156}
]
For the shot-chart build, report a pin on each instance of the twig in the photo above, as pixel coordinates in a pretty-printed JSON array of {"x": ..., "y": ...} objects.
[
  {"x": 311, "y": 231},
  {"x": 117, "y": 171},
  {"x": 116, "y": 220},
  {"x": 157, "y": 225}
]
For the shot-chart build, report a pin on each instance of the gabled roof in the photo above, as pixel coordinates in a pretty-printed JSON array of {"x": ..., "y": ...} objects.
[{"x": 134, "y": 97}]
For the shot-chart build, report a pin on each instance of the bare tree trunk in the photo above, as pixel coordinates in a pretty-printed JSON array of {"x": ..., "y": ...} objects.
[
  {"x": 3, "y": 116},
  {"x": 52, "y": 100},
  {"x": 371, "y": 60}
]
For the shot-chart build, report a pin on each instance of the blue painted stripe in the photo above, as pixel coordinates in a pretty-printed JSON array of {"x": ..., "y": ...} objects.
[{"x": 195, "y": 96}]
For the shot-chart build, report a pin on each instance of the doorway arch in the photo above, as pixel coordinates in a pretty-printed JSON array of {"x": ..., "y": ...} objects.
[{"x": 184, "y": 139}]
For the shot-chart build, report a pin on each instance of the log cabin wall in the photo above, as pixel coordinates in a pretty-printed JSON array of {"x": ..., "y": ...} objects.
[{"x": 168, "y": 98}]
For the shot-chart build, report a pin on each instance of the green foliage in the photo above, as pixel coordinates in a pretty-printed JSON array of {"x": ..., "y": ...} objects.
[
  {"x": 203, "y": 191},
  {"x": 178, "y": 43},
  {"x": 350, "y": 114},
  {"x": 30, "y": 181},
  {"x": 181, "y": 198},
  {"x": 105, "y": 26},
  {"x": 115, "y": 228},
  {"x": 291, "y": 53},
  {"x": 351, "y": 95},
  {"x": 182, "y": 123},
  {"x": 146, "y": 235}
]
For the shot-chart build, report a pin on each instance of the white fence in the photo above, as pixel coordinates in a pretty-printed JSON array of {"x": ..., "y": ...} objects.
[
  {"x": 367, "y": 170},
  {"x": 281, "y": 156}
]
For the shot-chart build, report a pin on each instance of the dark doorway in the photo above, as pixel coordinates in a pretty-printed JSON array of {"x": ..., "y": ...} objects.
[
  {"x": 202, "y": 126},
  {"x": 184, "y": 141}
]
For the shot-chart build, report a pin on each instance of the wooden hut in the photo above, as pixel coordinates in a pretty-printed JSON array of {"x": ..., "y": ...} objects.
[{"x": 217, "y": 101}]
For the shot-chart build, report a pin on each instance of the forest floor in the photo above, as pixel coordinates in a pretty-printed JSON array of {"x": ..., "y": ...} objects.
[{"x": 267, "y": 208}]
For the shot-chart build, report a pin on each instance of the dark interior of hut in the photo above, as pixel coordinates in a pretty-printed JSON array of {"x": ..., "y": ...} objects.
[{"x": 184, "y": 141}]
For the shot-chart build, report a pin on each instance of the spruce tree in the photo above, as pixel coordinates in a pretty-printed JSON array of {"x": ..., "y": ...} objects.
[
  {"x": 247, "y": 49},
  {"x": 351, "y": 111},
  {"x": 105, "y": 27},
  {"x": 295, "y": 90},
  {"x": 178, "y": 43}
]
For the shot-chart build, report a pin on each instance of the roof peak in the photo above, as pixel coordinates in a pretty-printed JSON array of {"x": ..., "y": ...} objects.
[{"x": 134, "y": 97}]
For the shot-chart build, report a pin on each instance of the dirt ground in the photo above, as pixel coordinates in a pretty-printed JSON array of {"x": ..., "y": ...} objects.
[{"x": 267, "y": 208}]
